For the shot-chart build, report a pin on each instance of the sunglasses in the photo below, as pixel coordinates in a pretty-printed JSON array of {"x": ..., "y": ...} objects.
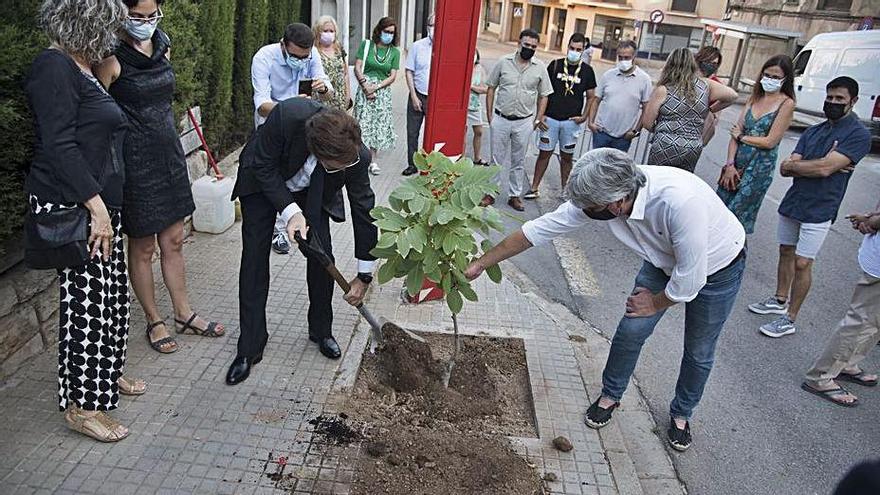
[
  {"x": 334, "y": 170},
  {"x": 153, "y": 19}
]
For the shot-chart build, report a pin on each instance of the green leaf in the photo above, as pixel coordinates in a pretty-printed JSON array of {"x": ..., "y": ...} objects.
[
  {"x": 414, "y": 280},
  {"x": 391, "y": 222},
  {"x": 403, "y": 243},
  {"x": 384, "y": 253},
  {"x": 450, "y": 242},
  {"x": 387, "y": 270},
  {"x": 453, "y": 300},
  {"x": 387, "y": 239},
  {"x": 417, "y": 204},
  {"x": 395, "y": 203},
  {"x": 494, "y": 273},
  {"x": 467, "y": 291},
  {"x": 444, "y": 215},
  {"x": 379, "y": 212},
  {"x": 420, "y": 160},
  {"x": 486, "y": 245},
  {"x": 446, "y": 282}
]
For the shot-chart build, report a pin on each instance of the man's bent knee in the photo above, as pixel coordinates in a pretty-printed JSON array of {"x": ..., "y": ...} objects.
[{"x": 803, "y": 264}]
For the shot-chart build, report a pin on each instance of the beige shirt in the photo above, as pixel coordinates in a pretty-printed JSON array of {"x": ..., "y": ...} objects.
[{"x": 518, "y": 89}]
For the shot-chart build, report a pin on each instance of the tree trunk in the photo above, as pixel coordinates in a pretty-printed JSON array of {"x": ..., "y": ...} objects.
[{"x": 451, "y": 364}]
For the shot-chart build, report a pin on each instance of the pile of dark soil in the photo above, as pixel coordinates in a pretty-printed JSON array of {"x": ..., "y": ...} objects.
[{"x": 425, "y": 439}]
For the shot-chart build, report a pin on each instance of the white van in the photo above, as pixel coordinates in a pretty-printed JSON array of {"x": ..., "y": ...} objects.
[{"x": 849, "y": 53}]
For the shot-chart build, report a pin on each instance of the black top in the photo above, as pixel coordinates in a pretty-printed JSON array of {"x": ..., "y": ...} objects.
[
  {"x": 277, "y": 150},
  {"x": 79, "y": 133},
  {"x": 157, "y": 189},
  {"x": 570, "y": 84}
]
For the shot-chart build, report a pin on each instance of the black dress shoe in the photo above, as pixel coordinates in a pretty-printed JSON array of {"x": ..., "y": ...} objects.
[
  {"x": 240, "y": 369},
  {"x": 410, "y": 170},
  {"x": 328, "y": 346}
]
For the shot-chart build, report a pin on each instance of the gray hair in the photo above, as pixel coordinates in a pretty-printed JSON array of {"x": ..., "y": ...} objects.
[
  {"x": 627, "y": 44},
  {"x": 601, "y": 177},
  {"x": 86, "y": 28}
]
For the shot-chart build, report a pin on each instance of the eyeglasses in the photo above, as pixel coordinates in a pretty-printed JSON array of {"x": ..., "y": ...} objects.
[
  {"x": 153, "y": 19},
  {"x": 334, "y": 170},
  {"x": 291, "y": 55}
]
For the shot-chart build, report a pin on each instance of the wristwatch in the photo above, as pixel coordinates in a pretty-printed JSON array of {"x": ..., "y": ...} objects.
[{"x": 366, "y": 278}]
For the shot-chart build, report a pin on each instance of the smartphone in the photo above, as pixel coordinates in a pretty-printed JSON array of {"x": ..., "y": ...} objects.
[{"x": 305, "y": 87}]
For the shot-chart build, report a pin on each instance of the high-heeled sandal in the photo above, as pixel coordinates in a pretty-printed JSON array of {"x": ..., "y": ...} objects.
[
  {"x": 100, "y": 426},
  {"x": 135, "y": 386}
]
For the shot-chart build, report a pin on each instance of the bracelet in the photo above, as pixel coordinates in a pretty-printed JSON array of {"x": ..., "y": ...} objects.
[
  {"x": 740, "y": 137},
  {"x": 730, "y": 163}
]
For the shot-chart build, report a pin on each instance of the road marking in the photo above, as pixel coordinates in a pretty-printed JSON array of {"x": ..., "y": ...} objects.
[{"x": 576, "y": 267}]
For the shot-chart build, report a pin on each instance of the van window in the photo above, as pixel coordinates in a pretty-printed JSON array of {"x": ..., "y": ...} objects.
[
  {"x": 822, "y": 63},
  {"x": 860, "y": 64},
  {"x": 800, "y": 62}
]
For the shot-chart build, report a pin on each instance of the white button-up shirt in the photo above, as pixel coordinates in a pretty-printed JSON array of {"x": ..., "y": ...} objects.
[
  {"x": 418, "y": 61},
  {"x": 300, "y": 181},
  {"x": 677, "y": 223},
  {"x": 274, "y": 80}
]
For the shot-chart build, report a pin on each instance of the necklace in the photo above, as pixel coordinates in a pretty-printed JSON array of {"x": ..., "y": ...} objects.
[
  {"x": 570, "y": 78},
  {"x": 381, "y": 61}
]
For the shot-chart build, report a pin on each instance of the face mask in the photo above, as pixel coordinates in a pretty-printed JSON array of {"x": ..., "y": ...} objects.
[
  {"x": 387, "y": 38},
  {"x": 624, "y": 65},
  {"x": 140, "y": 31},
  {"x": 834, "y": 111},
  {"x": 327, "y": 38},
  {"x": 708, "y": 68},
  {"x": 296, "y": 64},
  {"x": 771, "y": 85},
  {"x": 574, "y": 56},
  {"x": 431, "y": 33},
  {"x": 526, "y": 53},
  {"x": 604, "y": 214}
]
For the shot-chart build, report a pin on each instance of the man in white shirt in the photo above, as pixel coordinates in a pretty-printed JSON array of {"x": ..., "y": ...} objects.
[
  {"x": 694, "y": 252},
  {"x": 276, "y": 71},
  {"x": 621, "y": 93},
  {"x": 418, "y": 74},
  {"x": 859, "y": 330}
]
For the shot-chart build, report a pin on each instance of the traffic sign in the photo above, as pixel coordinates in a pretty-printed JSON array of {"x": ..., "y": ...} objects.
[
  {"x": 656, "y": 16},
  {"x": 867, "y": 24}
]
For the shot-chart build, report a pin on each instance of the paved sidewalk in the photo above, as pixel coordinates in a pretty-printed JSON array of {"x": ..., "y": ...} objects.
[{"x": 191, "y": 433}]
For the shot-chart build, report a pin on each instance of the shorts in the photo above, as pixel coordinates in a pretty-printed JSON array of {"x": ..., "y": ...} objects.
[
  {"x": 806, "y": 237},
  {"x": 475, "y": 116},
  {"x": 565, "y": 133}
]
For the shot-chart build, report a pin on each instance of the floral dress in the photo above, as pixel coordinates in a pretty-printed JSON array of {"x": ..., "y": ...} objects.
[
  {"x": 376, "y": 117},
  {"x": 335, "y": 67},
  {"x": 756, "y": 167}
]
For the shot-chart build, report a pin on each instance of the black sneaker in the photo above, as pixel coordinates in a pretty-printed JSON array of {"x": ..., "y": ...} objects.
[
  {"x": 598, "y": 417},
  {"x": 680, "y": 440},
  {"x": 410, "y": 170}
]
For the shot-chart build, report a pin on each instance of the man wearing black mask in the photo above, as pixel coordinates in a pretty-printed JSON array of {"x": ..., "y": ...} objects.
[
  {"x": 517, "y": 85},
  {"x": 821, "y": 165},
  {"x": 693, "y": 249},
  {"x": 296, "y": 165}
]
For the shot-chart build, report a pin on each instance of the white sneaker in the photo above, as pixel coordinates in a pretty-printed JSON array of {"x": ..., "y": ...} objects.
[
  {"x": 769, "y": 306},
  {"x": 780, "y": 327},
  {"x": 374, "y": 168}
]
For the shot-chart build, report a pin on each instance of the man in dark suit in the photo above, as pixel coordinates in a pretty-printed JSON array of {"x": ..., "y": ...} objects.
[{"x": 296, "y": 165}]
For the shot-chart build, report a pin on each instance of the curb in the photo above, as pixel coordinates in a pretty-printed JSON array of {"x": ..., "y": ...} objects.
[{"x": 640, "y": 463}]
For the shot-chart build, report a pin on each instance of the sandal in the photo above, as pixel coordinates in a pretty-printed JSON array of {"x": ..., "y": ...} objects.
[
  {"x": 169, "y": 344},
  {"x": 210, "y": 331},
  {"x": 134, "y": 387},
  {"x": 830, "y": 394},
  {"x": 857, "y": 378},
  {"x": 100, "y": 426}
]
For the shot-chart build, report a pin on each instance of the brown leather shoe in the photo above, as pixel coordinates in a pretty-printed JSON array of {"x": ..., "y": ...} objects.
[
  {"x": 516, "y": 203},
  {"x": 487, "y": 201}
]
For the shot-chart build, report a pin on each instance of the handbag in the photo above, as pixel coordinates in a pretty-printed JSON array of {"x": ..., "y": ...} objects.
[{"x": 57, "y": 238}]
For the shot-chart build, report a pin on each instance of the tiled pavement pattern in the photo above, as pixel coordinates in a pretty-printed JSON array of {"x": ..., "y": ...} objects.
[{"x": 193, "y": 434}]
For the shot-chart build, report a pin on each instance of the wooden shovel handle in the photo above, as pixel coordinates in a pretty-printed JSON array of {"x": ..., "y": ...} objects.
[{"x": 340, "y": 280}]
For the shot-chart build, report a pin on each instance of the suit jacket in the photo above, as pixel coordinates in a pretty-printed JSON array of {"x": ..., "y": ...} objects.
[{"x": 277, "y": 150}]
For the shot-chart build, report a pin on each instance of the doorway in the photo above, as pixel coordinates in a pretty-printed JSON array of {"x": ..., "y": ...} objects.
[
  {"x": 516, "y": 21},
  {"x": 560, "y": 29},
  {"x": 612, "y": 37}
]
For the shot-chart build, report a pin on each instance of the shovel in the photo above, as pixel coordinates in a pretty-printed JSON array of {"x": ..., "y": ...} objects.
[{"x": 311, "y": 248}]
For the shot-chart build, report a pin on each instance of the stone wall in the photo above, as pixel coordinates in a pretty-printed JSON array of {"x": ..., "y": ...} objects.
[{"x": 28, "y": 315}]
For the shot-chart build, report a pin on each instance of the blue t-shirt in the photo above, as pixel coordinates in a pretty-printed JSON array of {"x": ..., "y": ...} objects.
[{"x": 817, "y": 199}]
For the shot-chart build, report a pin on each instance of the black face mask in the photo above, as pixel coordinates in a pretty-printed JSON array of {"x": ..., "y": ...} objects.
[
  {"x": 708, "y": 68},
  {"x": 604, "y": 214},
  {"x": 834, "y": 111},
  {"x": 526, "y": 53}
]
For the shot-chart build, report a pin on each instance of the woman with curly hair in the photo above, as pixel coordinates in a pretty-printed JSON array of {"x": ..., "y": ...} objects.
[
  {"x": 77, "y": 166},
  {"x": 676, "y": 112},
  {"x": 378, "y": 60},
  {"x": 157, "y": 195}
]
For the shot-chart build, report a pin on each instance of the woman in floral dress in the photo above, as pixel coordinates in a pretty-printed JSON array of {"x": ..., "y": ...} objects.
[{"x": 334, "y": 60}]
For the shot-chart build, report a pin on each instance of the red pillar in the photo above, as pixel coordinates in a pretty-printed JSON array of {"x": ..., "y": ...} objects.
[{"x": 452, "y": 64}]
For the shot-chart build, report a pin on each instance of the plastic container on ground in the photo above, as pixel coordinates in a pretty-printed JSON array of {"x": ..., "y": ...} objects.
[{"x": 215, "y": 211}]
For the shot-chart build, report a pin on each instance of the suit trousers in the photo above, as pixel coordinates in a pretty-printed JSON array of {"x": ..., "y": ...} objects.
[
  {"x": 258, "y": 220},
  {"x": 414, "y": 119}
]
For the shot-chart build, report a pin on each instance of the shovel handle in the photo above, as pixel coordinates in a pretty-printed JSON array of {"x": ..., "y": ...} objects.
[{"x": 339, "y": 278}]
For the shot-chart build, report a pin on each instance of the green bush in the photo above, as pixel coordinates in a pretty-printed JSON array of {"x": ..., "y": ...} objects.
[
  {"x": 23, "y": 40},
  {"x": 217, "y": 25},
  {"x": 181, "y": 23},
  {"x": 282, "y": 13},
  {"x": 251, "y": 25}
]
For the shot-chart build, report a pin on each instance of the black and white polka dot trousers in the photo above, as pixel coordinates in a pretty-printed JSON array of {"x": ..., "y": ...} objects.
[{"x": 94, "y": 320}]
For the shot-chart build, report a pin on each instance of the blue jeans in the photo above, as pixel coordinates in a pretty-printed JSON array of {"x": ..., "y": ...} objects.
[
  {"x": 704, "y": 318},
  {"x": 602, "y": 140}
]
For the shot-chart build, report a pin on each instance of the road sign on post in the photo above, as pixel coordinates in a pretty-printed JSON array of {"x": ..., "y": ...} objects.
[
  {"x": 656, "y": 18},
  {"x": 452, "y": 64}
]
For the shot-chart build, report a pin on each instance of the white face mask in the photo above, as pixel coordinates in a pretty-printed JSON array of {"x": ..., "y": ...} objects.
[
  {"x": 771, "y": 85},
  {"x": 624, "y": 65}
]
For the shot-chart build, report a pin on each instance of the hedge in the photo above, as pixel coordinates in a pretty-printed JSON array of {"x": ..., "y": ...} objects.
[{"x": 212, "y": 41}]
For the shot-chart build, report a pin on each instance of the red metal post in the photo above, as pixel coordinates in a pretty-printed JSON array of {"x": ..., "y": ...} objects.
[{"x": 452, "y": 64}]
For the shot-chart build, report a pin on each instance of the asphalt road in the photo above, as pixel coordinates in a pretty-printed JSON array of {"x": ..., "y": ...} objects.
[{"x": 755, "y": 431}]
